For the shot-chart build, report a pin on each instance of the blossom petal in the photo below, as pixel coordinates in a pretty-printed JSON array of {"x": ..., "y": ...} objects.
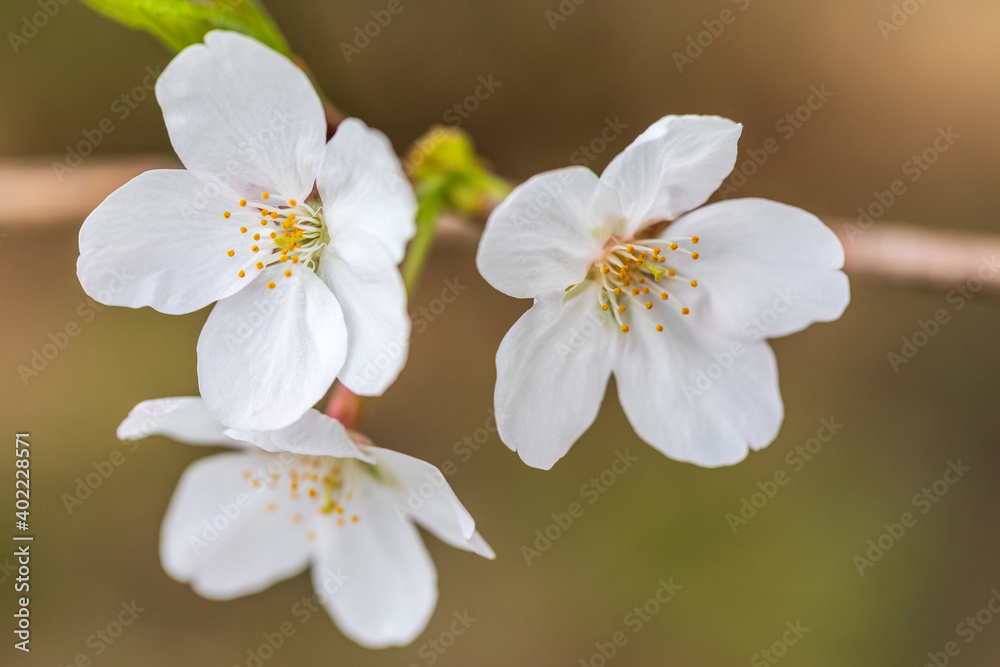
[
  {"x": 160, "y": 240},
  {"x": 228, "y": 538},
  {"x": 364, "y": 190},
  {"x": 266, "y": 356},
  {"x": 765, "y": 269},
  {"x": 366, "y": 282},
  {"x": 239, "y": 112},
  {"x": 547, "y": 232},
  {"x": 389, "y": 587},
  {"x": 672, "y": 167},
  {"x": 696, "y": 395},
  {"x": 427, "y": 497},
  {"x": 552, "y": 370},
  {"x": 314, "y": 434},
  {"x": 185, "y": 419}
]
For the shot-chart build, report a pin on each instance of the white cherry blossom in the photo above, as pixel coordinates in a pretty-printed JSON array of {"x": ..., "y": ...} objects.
[{"x": 629, "y": 279}]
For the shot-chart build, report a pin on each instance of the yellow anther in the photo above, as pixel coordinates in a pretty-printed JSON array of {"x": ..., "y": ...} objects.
[
  {"x": 645, "y": 290},
  {"x": 295, "y": 260},
  {"x": 604, "y": 306},
  {"x": 231, "y": 253},
  {"x": 265, "y": 195},
  {"x": 664, "y": 296},
  {"x": 673, "y": 246},
  {"x": 292, "y": 202},
  {"x": 273, "y": 235},
  {"x": 671, "y": 273},
  {"x": 274, "y": 214},
  {"x": 243, "y": 230},
  {"x": 624, "y": 328},
  {"x": 242, "y": 274},
  {"x": 694, "y": 239},
  {"x": 260, "y": 265},
  {"x": 263, "y": 223},
  {"x": 311, "y": 535},
  {"x": 288, "y": 273},
  {"x": 256, "y": 237},
  {"x": 656, "y": 251},
  {"x": 694, "y": 283},
  {"x": 618, "y": 290},
  {"x": 246, "y": 474},
  {"x": 283, "y": 259},
  {"x": 226, "y": 214},
  {"x": 659, "y": 327},
  {"x": 605, "y": 270},
  {"x": 630, "y": 249},
  {"x": 695, "y": 255},
  {"x": 641, "y": 279},
  {"x": 270, "y": 286},
  {"x": 271, "y": 507},
  {"x": 340, "y": 521},
  {"x": 635, "y": 292},
  {"x": 296, "y": 517},
  {"x": 685, "y": 311},
  {"x": 243, "y": 202},
  {"x": 621, "y": 309},
  {"x": 255, "y": 249},
  {"x": 649, "y": 304},
  {"x": 355, "y": 518}
]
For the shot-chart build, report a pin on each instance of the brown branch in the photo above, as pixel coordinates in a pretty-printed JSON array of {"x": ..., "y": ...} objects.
[{"x": 895, "y": 253}]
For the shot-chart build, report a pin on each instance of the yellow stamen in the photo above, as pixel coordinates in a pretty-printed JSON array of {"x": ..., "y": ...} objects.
[
  {"x": 265, "y": 195},
  {"x": 624, "y": 328},
  {"x": 231, "y": 253},
  {"x": 226, "y": 214},
  {"x": 685, "y": 311},
  {"x": 243, "y": 202},
  {"x": 659, "y": 327},
  {"x": 270, "y": 286}
]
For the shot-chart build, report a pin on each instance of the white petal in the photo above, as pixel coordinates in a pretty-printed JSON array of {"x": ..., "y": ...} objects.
[
  {"x": 765, "y": 269},
  {"x": 673, "y": 167},
  {"x": 244, "y": 114},
  {"x": 389, "y": 587},
  {"x": 694, "y": 396},
  {"x": 365, "y": 280},
  {"x": 427, "y": 497},
  {"x": 185, "y": 419},
  {"x": 314, "y": 434},
  {"x": 161, "y": 240},
  {"x": 266, "y": 356},
  {"x": 552, "y": 370},
  {"x": 547, "y": 232},
  {"x": 364, "y": 190},
  {"x": 220, "y": 534}
]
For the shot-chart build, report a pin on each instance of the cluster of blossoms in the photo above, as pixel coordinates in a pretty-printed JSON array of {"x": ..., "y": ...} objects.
[{"x": 297, "y": 241}]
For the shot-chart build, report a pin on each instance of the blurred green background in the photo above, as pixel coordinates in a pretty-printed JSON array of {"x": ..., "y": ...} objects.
[{"x": 608, "y": 60}]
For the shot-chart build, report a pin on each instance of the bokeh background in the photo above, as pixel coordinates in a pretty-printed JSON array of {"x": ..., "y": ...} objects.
[{"x": 793, "y": 562}]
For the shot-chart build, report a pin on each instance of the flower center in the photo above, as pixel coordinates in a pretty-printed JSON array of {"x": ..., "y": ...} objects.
[
  {"x": 328, "y": 484},
  {"x": 637, "y": 276},
  {"x": 279, "y": 231}
]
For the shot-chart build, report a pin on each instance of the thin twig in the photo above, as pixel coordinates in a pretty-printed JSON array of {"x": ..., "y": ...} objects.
[{"x": 36, "y": 195}]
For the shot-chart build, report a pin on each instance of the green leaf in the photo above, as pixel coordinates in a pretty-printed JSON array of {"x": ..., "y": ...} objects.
[{"x": 180, "y": 23}]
